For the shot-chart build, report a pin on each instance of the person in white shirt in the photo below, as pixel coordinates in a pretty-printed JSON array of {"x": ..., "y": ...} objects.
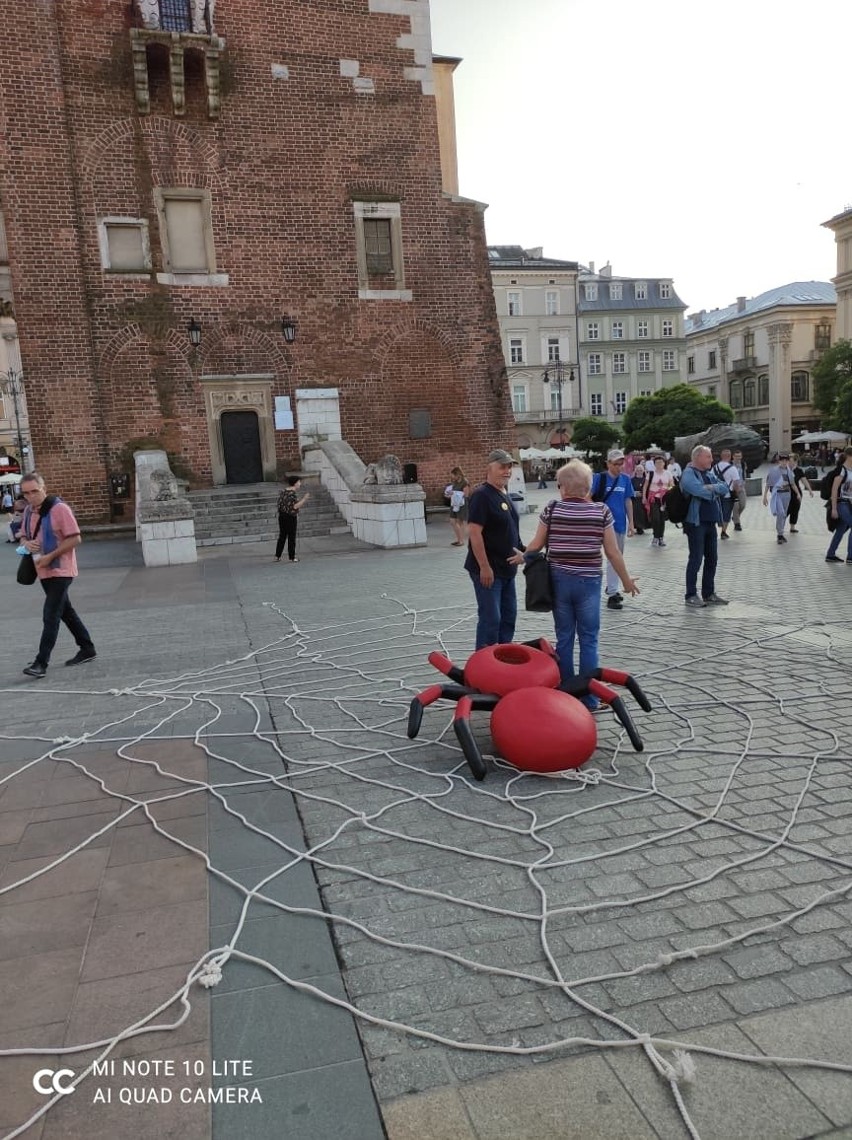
[
  {"x": 742, "y": 498},
  {"x": 673, "y": 467},
  {"x": 726, "y": 469}
]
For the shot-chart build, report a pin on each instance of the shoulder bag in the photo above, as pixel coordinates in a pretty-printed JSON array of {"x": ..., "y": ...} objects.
[
  {"x": 538, "y": 588},
  {"x": 27, "y": 573}
]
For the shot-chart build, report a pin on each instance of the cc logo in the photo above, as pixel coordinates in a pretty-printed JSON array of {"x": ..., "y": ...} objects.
[{"x": 47, "y": 1081}]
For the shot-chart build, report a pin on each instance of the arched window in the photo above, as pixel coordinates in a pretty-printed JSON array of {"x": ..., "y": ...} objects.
[
  {"x": 763, "y": 390},
  {"x": 736, "y": 393},
  {"x": 748, "y": 392},
  {"x": 800, "y": 387}
]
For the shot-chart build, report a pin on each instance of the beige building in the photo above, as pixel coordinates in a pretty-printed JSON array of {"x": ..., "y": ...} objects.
[
  {"x": 757, "y": 356},
  {"x": 631, "y": 335},
  {"x": 536, "y": 308},
  {"x": 842, "y": 227}
]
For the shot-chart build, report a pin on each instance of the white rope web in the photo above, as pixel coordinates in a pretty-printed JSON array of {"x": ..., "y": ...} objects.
[{"x": 430, "y": 876}]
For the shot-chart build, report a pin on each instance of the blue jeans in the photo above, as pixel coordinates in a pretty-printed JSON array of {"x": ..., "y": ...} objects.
[
  {"x": 576, "y": 612},
  {"x": 497, "y": 609},
  {"x": 57, "y": 608},
  {"x": 703, "y": 546},
  {"x": 844, "y": 524}
]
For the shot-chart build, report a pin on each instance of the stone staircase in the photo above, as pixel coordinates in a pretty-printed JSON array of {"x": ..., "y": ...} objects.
[{"x": 247, "y": 513}]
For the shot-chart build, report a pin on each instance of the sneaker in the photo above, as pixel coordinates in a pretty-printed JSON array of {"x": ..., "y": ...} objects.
[
  {"x": 832, "y": 558},
  {"x": 655, "y": 542},
  {"x": 794, "y": 530},
  {"x": 81, "y": 656},
  {"x": 724, "y": 534},
  {"x": 292, "y": 560},
  {"x": 696, "y": 602},
  {"x": 781, "y": 539},
  {"x": 36, "y": 669},
  {"x": 661, "y": 542},
  {"x": 737, "y": 526},
  {"x": 615, "y": 602},
  {"x": 714, "y": 600}
]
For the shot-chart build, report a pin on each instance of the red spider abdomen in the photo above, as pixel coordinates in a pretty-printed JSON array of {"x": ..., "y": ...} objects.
[{"x": 543, "y": 730}]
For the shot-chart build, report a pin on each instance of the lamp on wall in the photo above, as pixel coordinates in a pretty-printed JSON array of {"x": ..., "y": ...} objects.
[
  {"x": 194, "y": 330},
  {"x": 288, "y": 328}
]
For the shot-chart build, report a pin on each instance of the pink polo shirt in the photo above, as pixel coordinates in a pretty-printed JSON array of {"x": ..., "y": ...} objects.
[{"x": 64, "y": 525}]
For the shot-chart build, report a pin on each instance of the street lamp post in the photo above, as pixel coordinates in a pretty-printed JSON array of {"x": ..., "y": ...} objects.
[
  {"x": 554, "y": 374},
  {"x": 13, "y": 383}
]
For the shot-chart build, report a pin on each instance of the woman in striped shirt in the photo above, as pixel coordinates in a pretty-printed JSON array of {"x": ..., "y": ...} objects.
[{"x": 576, "y": 531}]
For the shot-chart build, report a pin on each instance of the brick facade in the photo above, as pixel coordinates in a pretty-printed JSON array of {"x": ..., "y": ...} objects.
[{"x": 297, "y": 140}]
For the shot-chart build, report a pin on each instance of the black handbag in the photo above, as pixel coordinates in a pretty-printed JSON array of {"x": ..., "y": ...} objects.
[
  {"x": 830, "y": 522},
  {"x": 27, "y": 573},
  {"x": 538, "y": 586},
  {"x": 539, "y": 592}
]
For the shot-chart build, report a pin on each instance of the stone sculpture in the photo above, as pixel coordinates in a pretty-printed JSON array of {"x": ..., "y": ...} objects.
[
  {"x": 386, "y": 473},
  {"x": 736, "y": 436}
]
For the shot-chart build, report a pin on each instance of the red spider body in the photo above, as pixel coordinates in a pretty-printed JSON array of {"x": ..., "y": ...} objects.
[{"x": 537, "y": 723}]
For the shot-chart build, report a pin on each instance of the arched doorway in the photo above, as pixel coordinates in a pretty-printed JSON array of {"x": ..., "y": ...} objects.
[{"x": 241, "y": 447}]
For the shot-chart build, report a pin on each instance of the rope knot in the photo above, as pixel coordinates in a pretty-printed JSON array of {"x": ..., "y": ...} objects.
[{"x": 210, "y": 975}]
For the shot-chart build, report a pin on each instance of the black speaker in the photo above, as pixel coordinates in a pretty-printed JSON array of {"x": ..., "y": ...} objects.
[{"x": 409, "y": 472}]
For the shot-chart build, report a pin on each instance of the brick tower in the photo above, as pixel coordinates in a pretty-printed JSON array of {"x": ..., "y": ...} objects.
[{"x": 165, "y": 162}]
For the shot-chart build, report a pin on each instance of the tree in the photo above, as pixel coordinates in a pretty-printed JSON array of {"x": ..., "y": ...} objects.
[
  {"x": 679, "y": 410},
  {"x": 832, "y": 375},
  {"x": 594, "y": 436}
]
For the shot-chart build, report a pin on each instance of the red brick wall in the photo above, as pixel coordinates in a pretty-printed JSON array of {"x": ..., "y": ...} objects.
[{"x": 106, "y": 358}]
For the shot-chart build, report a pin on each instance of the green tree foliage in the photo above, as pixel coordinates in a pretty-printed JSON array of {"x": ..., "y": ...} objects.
[
  {"x": 594, "y": 436},
  {"x": 832, "y": 375},
  {"x": 679, "y": 410}
]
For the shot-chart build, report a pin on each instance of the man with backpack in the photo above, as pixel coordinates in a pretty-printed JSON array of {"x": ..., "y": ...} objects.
[
  {"x": 615, "y": 489},
  {"x": 841, "y": 509},
  {"x": 705, "y": 491},
  {"x": 726, "y": 470}
]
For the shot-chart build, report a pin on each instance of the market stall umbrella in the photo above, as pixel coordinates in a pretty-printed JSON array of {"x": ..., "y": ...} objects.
[
  {"x": 822, "y": 437},
  {"x": 10, "y": 479}
]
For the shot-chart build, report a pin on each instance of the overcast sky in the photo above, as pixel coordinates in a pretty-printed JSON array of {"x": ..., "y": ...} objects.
[{"x": 705, "y": 142}]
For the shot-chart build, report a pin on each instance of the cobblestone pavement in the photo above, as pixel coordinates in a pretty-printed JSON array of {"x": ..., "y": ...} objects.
[{"x": 522, "y": 953}]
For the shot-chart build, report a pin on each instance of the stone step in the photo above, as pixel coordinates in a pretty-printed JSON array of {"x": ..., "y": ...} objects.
[{"x": 249, "y": 514}]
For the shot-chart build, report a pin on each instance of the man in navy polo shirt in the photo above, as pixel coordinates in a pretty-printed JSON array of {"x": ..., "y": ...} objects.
[
  {"x": 615, "y": 489},
  {"x": 493, "y": 533}
]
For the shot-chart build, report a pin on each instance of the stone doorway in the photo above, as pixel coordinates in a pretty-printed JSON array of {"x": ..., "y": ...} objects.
[{"x": 241, "y": 428}]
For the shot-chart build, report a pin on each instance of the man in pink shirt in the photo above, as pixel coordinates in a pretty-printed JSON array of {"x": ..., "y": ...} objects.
[{"x": 51, "y": 534}]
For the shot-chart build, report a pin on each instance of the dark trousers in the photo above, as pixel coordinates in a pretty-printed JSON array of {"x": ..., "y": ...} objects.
[
  {"x": 703, "y": 547},
  {"x": 57, "y": 608},
  {"x": 793, "y": 509},
  {"x": 658, "y": 518},
  {"x": 286, "y": 533}
]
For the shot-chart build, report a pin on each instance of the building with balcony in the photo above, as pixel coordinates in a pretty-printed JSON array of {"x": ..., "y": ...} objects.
[
  {"x": 841, "y": 226},
  {"x": 631, "y": 337},
  {"x": 757, "y": 356},
  {"x": 536, "y": 308},
  {"x": 173, "y": 166}
]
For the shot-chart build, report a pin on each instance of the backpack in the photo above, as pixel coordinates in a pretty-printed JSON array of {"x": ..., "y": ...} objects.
[
  {"x": 828, "y": 482},
  {"x": 676, "y": 503},
  {"x": 719, "y": 470},
  {"x": 600, "y": 493}
]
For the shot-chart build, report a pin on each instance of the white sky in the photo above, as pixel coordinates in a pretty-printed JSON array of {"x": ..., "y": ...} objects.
[{"x": 706, "y": 142}]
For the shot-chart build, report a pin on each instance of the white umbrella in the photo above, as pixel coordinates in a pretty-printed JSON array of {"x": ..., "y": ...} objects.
[
  {"x": 11, "y": 478},
  {"x": 822, "y": 437}
]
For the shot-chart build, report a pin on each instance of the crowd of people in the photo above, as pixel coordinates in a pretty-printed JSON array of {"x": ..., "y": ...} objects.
[{"x": 593, "y": 516}]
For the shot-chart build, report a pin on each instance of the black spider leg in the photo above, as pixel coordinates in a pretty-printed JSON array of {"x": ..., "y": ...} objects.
[
  {"x": 428, "y": 697},
  {"x": 464, "y": 734}
]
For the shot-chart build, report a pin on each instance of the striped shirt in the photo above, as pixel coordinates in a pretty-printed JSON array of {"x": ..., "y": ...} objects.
[{"x": 576, "y": 534}]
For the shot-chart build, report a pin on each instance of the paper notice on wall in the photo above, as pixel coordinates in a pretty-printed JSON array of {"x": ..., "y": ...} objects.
[{"x": 283, "y": 414}]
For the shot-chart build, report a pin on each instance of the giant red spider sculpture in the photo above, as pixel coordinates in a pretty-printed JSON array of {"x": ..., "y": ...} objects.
[{"x": 537, "y": 722}]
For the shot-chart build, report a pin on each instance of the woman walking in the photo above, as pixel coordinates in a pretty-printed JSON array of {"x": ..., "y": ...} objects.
[
  {"x": 658, "y": 482},
  {"x": 575, "y": 530},
  {"x": 459, "y": 490}
]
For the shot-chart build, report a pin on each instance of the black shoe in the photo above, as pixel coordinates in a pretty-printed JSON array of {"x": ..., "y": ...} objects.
[
  {"x": 82, "y": 655},
  {"x": 737, "y": 526},
  {"x": 828, "y": 558},
  {"x": 724, "y": 534},
  {"x": 616, "y": 602},
  {"x": 36, "y": 669},
  {"x": 781, "y": 539}
]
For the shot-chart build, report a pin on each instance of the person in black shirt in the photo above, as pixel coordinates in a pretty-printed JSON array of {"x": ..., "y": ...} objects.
[{"x": 493, "y": 534}]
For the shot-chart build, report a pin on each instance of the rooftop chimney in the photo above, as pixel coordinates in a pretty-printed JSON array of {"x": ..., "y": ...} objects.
[
  {"x": 741, "y": 304},
  {"x": 606, "y": 270},
  {"x": 591, "y": 267}
]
